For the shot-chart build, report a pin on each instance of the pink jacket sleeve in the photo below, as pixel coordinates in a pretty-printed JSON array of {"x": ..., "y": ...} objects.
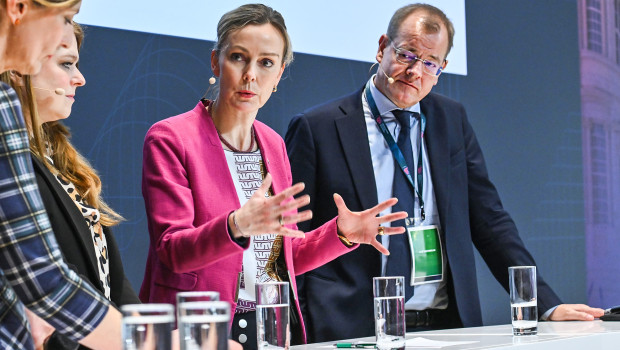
[{"x": 181, "y": 244}]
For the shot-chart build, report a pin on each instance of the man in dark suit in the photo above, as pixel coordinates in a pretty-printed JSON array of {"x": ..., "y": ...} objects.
[{"x": 343, "y": 147}]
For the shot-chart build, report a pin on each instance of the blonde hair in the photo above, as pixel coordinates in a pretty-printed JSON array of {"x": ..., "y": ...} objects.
[
  {"x": 67, "y": 160},
  {"x": 49, "y": 3},
  {"x": 54, "y": 3}
]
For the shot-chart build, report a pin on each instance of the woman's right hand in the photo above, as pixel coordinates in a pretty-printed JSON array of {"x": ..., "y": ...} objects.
[{"x": 262, "y": 215}]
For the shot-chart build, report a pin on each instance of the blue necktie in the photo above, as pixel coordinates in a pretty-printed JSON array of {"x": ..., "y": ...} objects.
[{"x": 399, "y": 260}]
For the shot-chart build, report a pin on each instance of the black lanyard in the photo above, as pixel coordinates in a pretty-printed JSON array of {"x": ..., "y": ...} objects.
[{"x": 397, "y": 153}]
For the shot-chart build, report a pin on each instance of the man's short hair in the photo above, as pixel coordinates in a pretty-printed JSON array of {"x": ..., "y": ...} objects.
[{"x": 430, "y": 24}]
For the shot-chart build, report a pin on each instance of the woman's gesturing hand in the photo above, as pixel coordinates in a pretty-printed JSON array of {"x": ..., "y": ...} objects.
[
  {"x": 364, "y": 226},
  {"x": 261, "y": 215}
]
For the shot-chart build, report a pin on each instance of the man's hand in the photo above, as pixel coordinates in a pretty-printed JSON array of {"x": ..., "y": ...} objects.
[{"x": 575, "y": 312}]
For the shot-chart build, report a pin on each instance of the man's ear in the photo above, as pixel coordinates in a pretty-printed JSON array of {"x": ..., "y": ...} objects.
[
  {"x": 443, "y": 66},
  {"x": 383, "y": 41}
]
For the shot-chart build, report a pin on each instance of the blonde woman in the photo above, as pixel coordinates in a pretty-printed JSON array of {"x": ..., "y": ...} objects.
[{"x": 33, "y": 273}]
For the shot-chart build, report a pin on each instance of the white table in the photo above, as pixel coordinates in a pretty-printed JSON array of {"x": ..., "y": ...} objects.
[{"x": 593, "y": 335}]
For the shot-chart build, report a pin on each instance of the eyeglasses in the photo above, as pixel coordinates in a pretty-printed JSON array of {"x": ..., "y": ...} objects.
[{"x": 409, "y": 58}]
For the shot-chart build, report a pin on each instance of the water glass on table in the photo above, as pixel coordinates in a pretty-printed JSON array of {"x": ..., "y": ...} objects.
[
  {"x": 203, "y": 324},
  {"x": 389, "y": 310},
  {"x": 190, "y": 297},
  {"x": 523, "y": 302},
  {"x": 147, "y": 326},
  {"x": 272, "y": 315}
]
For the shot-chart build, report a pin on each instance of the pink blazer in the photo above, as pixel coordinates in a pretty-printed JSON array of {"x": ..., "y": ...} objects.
[{"x": 189, "y": 193}]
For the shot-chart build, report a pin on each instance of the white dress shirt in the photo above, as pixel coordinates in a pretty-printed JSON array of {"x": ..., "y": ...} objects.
[{"x": 430, "y": 295}]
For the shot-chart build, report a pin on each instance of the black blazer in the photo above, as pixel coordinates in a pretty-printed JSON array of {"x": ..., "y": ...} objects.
[
  {"x": 75, "y": 241},
  {"x": 329, "y": 152}
]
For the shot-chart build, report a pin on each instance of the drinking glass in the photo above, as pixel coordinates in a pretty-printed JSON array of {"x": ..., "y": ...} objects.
[
  {"x": 203, "y": 325},
  {"x": 147, "y": 326},
  {"x": 272, "y": 315},
  {"x": 523, "y": 302},
  {"x": 186, "y": 297},
  {"x": 389, "y": 309}
]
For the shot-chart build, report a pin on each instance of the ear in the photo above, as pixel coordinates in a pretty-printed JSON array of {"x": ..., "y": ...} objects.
[
  {"x": 383, "y": 42},
  {"x": 215, "y": 63},
  {"x": 16, "y": 9},
  {"x": 443, "y": 66}
]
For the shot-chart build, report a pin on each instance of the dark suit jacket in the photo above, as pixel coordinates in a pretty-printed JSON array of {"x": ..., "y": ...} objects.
[
  {"x": 75, "y": 241},
  {"x": 328, "y": 149}
]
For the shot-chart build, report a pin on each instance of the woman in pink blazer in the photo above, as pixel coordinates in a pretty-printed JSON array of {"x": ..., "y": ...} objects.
[{"x": 217, "y": 187}]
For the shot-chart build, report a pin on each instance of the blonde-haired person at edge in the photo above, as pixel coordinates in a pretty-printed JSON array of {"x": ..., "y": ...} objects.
[
  {"x": 217, "y": 187},
  {"x": 32, "y": 271},
  {"x": 69, "y": 186}
]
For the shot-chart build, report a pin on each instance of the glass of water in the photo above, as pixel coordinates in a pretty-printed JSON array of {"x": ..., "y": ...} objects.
[
  {"x": 523, "y": 302},
  {"x": 389, "y": 309},
  {"x": 272, "y": 319},
  {"x": 147, "y": 326},
  {"x": 193, "y": 296},
  {"x": 203, "y": 325}
]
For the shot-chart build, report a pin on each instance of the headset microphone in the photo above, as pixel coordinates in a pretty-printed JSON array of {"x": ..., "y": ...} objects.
[
  {"x": 389, "y": 79},
  {"x": 57, "y": 91}
]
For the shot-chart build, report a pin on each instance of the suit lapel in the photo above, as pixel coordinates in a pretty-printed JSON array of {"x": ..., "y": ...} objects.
[
  {"x": 73, "y": 216},
  {"x": 353, "y": 135},
  {"x": 437, "y": 144}
]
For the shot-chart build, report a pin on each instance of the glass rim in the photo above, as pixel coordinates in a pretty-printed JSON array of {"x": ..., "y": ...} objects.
[
  {"x": 533, "y": 267},
  {"x": 209, "y": 303},
  {"x": 162, "y": 307},
  {"x": 272, "y": 283},
  {"x": 385, "y": 278},
  {"x": 198, "y": 292},
  {"x": 278, "y": 293}
]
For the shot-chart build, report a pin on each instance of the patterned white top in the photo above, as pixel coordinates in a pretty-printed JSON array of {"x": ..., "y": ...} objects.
[{"x": 247, "y": 171}]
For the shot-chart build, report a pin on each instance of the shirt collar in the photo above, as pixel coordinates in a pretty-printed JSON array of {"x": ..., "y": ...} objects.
[{"x": 384, "y": 105}]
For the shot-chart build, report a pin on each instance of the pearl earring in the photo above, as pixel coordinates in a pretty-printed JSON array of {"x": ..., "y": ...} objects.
[{"x": 211, "y": 80}]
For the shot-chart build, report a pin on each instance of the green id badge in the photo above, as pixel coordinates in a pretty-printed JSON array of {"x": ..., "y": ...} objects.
[{"x": 426, "y": 253}]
